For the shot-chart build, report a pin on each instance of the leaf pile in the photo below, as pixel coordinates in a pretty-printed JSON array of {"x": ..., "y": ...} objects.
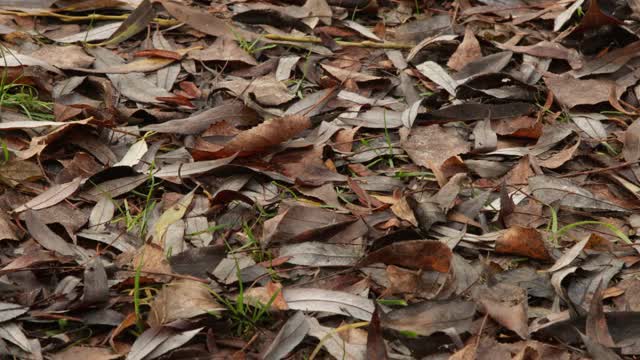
[{"x": 348, "y": 179}]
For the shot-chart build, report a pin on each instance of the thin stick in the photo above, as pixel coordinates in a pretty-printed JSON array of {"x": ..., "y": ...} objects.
[
  {"x": 90, "y": 17},
  {"x": 363, "y": 44}
]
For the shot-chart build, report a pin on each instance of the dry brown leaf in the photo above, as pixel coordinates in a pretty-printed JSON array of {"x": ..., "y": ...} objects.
[
  {"x": 181, "y": 300},
  {"x": 262, "y": 137},
  {"x": 430, "y": 146},
  {"x": 415, "y": 254},
  {"x": 468, "y": 51},
  {"x": 523, "y": 242},
  {"x": 571, "y": 92}
]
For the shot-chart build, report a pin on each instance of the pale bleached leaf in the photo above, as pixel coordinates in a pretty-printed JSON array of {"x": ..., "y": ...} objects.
[
  {"x": 438, "y": 75},
  {"x": 51, "y": 196}
]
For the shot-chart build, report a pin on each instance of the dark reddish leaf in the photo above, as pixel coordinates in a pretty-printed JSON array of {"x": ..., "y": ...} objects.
[
  {"x": 523, "y": 242},
  {"x": 166, "y": 54},
  {"x": 376, "y": 349},
  {"x": 414, "y": 254}
]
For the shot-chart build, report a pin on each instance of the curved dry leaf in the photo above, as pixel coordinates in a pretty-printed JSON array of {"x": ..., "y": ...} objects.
[
  {"x": 13, "y": 59},
  {"x": 415, "y": 254},
  {"x": 262, "y": 137},
  {"x": 113, "y": 188},
  {"x": 571, "y": 92},
  {"x": 224, "y": 49},
  {"x": 45, "y": 236},
  {"x": 135, "y": 22},
  {"x": 11, "y": 332},
  {"x": 549, "y": 189},
  {"x": 84, "y": 353},
  {"x": 507, "y": 305},
  {"x": 335, "y": 302},
  {"x": 631, "y": 149},
  {"x": 147, "y": 342},
  {"x": 52, "y": 196},
  {"x": 181, "y": 300},
  {"x": 376, "y": 349},
  {"x": 170, "y": 216},
  {"x": 289, "y": 336},
  {"x": 430, "y": 146},
  {"x": 232, "y": 111},
  {"x": 428, "y": 317},
  {"x": 10, "y": 311},
  {"x": 349, "y": 346},
  {"x": 438, "y": 75},
  {"x": 63, "y": 57},
  {"x": 203, "y": 21},
  {"x": 469, "y": 50},
  {"x": 173, "y": 342},
  {"x": 564, "y": 16},
  {"x": 569, "y": 256},
  {"x": 522, "y": 241},
  {"x": 97, "y": 33}
]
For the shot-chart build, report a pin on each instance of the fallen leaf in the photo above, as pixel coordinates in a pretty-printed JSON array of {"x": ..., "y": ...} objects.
[
  {"x": 438, "y": 75},
  {"x": 289, "y": 336},
  {"x": 170, "y": 216},
  {"x": 224, "y": 49},
  {"x": 596, "y": 326},
  {"x": 415, "y": 254},
  {"x": 46, "y": 237},
  {"x": 427, "y": 317},
  {"x": 135, "y": 23},
  {"x": 302, "y": 223},
  {"x": 262, "y": 137},
  {"x": 571, "y": 92},
  {"x": 468, "y": 51},
  {"x": 522, "y": 241},
  {"x": 376, "y": 349},
  {"x": 203, "y": 21},
  {"x": 335, "y": 302},
  {"x": 507, "y": 305},
  {"x": 181, "y": 300},
  {"x": 85, "y": 352}
]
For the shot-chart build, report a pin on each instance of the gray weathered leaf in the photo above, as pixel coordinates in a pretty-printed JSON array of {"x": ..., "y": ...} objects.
[
  {"x": 289, "y": 336},
  {"x": 10, "y": 311},
  {"x": 173, "y": 342},
  {"x": 336, "y": 302},
  {"x": 339, "y": 347},
  {"x": 427, "y": 317},
  {"x": 12, "y": 333},
  {"x": 134, "y": 154},
  {"x": 134, "y": 86},
  {"x": 96, "y": 33},
  {"x": 52, "y": 196},
  {"x": 438, "y": 75},
  {"x": 101, "y": 213},
  {"x": 13, "y": 59},
  {"x": 96, "y": 286},
  {"x": 321, "y": 254},
  {"x": 148, "y": 341},
  {"x": 189, "y": 169},
  {"x": 409, "y": 114},
  {"x": 562, "y": 19},
  {"x": 45, "y": 236},
  {"x": 549, "y": 189},
  {"x": 195, "y": 124},
  {"x": 112, "y": 188}
]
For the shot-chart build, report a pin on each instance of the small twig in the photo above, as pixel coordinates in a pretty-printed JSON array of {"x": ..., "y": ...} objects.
[
  {"x": 363, "y": 44},
  {"x": 601, "y": 170},
  {"x": 90, "y": 17}
]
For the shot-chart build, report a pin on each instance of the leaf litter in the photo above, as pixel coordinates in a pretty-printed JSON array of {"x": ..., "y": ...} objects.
[{"x": 321, "y": 179}]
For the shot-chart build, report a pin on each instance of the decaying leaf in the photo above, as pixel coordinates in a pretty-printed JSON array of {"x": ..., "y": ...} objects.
[
  {"x": 181, "y": 300},
  {"x": 415, "y": 254}
]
